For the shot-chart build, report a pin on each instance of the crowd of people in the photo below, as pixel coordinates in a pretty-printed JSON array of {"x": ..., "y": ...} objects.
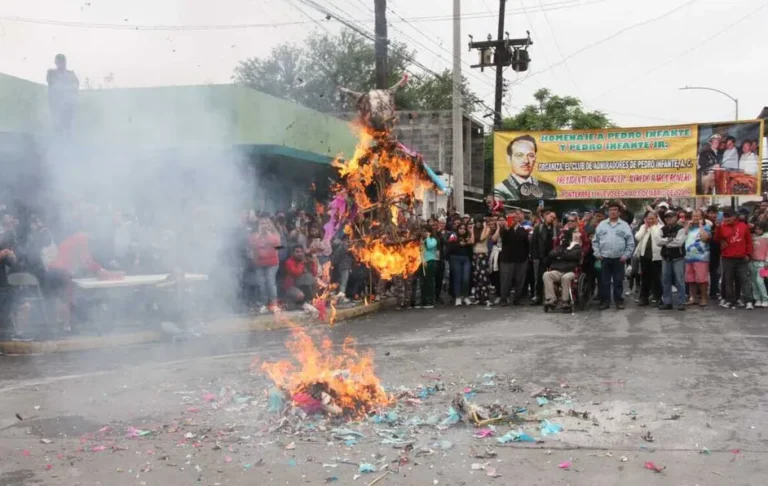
[{"x": 670, "y": 257}]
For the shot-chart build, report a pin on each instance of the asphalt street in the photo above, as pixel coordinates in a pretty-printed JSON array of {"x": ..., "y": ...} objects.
[{"x": 683, "y": 390}]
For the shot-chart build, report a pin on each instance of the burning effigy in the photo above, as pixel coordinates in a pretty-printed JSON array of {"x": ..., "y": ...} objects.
[{"x": 375, "y": 202}]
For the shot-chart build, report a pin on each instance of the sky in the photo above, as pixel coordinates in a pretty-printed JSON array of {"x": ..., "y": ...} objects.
[{"x": 627, "y": 58}]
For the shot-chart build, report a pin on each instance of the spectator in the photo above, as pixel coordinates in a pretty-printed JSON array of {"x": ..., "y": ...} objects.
[
  {"x": 759, "y": 257},
  {"x": 542, "y": 244},
  {"x": 341, "y": 260},
  {"x": 460, "y": 248},
  {"x": 735, "y": 241},
  {"x": 300, "y": 273},
  {"x": 442, "y": 263},
  {"x": 7, "y": 259},
  {"x": 562, "y": 263},
  {"x": 649, "y": 255},
  {"x": 672, "y": 243},
  {"x": 714, "y": 255},
  {"x": 613, "y": 246},
  {"x": 263, "y": 244},
  {"x": 513, "y": 258},
  {"x": 73, "y": 259},
  {"x": 697, "y": 258},
  {"x": 62, "y": 94},
  {"x": 480, "y": 271},
  {"x": 429, "y": 260}
]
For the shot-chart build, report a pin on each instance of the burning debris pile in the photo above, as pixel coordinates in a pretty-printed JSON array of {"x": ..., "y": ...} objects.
[
  {"x": 375, "y": 202},
  {"x": 324, "y": 382}
]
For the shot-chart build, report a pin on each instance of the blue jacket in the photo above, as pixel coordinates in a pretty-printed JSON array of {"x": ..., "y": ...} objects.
[{"x": 613, "y": 240}]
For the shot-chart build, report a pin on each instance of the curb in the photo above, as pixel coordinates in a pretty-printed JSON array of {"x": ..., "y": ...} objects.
[{"x": 232, "y": 325}]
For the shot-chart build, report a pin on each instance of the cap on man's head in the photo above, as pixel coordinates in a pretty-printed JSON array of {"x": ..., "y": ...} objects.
[
  {"x": 61, "y": 57},
  {"x": 727, "y": 212},
  {"x": 670, "y": 214},
  {"x": 715, "y": 136},
  {"x": 663, "y": 204}
]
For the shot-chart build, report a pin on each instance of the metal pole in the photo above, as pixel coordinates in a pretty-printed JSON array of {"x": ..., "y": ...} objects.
[
  {"x": 380, "y": 46},
  {"x": 458, "y": 125},
  {"x": 499, "y": 69},
  {"x": 734, "y": 199}
]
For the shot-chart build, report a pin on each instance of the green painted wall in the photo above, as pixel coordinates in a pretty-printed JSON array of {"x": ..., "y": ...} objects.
[{"x": 185, "y": 117}]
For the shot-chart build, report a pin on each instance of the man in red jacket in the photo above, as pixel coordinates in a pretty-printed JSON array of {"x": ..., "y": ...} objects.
[
  {"x": 300, "y": 274},
  {"x": 735, "y": 242}
]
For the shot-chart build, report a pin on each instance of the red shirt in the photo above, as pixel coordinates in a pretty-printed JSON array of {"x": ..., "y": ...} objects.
[
  {"x": 735, "y": 239},
  {"x": 294, "y": 269},
  {"x": 264, "y": 249},
  {"x": 74, "y": 254}
]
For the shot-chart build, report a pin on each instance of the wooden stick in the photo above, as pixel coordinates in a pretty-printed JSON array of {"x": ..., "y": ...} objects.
[{"x": 379, "y": 478}]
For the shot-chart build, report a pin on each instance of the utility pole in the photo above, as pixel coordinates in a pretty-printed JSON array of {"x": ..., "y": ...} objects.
[
  {"x": 380, "y": 11},
  {"x": 458, "y": 123},
  {"x": 499, "y": 71},
  {"x": 501, "y": 53}
]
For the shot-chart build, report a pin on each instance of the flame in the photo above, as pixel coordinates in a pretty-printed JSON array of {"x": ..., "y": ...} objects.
[
  {"x": 347, "y": 377},
  {"x": 380, "y": 166},
  {"x": 391, "y": 260}
]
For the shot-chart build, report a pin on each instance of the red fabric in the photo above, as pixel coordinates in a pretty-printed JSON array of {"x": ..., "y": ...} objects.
[
  {"x": 735, "y": 240},
  {"x": 74, "y": 254},
  {"x": 264, "y": 249},
  {"x": 294, "y": 269}
]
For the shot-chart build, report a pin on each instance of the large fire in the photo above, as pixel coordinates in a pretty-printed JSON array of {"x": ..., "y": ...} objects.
[
  {"x": 385, "y": 182},
  {"x": 382, "y": 181},
  {"x": 339, "y": 384}
]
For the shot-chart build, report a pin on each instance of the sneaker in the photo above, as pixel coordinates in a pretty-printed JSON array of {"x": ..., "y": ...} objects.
[
  {"x": 468, "y": 301},
  {"x": 429, "y": 307},
  {"x": 417, "y": 307},
  {"x": 619, "y": 305},
  {"x": 665, "y": 307},
  {"x": 725, "y": 304},
  {"x": 497, "y": 301},
  {"x": 750, "y": 306},
  {"x": 310, "y": 309},
  {"x": 722, "y": 301},
  {"x": 681, "y": 308},
  {"x": 604, "y": 305},
  {"x": 488, "y": 305},
  {"x": 458, "y": 303},
  {"x": 263, "y": 310},
  {"x": 762, "y": 304},
  {"x": 739, "y": 303},
  {"x": 504, "y": 302}
]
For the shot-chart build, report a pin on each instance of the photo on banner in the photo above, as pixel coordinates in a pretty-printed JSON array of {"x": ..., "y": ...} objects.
[
  {"x": 643, "y": 162},
  {"x": 729, "y": 160}
]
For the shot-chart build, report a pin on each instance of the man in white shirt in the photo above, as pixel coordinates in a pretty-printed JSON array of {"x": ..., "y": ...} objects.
[
  {"x": 748, "y": 161},
  {"x": 731, "y": 154}
]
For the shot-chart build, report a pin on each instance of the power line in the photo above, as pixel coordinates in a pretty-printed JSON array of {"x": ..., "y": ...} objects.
[
  {"x": 614, "y": 35},
  {"x": 263, "y": 25},
  {"x": 560, "y": 52},
  {"x": 697, "y": 46}
]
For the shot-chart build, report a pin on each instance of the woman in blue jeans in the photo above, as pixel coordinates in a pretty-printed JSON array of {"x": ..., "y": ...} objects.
[{"x": 460, "y": 250}]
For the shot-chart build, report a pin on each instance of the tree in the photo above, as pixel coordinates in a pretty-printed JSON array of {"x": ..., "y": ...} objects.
[
  {"x": 551, "y": 112},
  {"x": 311, "y": 73}
]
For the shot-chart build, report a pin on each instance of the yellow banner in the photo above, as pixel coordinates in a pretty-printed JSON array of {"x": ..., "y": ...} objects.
[{"x": 647, "y": 162}]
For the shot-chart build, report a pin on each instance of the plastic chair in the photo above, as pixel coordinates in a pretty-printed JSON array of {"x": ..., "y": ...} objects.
[{"x": 27, "y": 287}]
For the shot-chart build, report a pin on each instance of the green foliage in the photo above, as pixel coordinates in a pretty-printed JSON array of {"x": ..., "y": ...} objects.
[
  {"x": 554, "y": 112},
  {"x": 310, "y": 74}
]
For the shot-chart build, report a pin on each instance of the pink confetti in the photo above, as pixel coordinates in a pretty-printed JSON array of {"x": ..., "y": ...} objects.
[
  {"x": 193, "y": 410},
  {"x": 209, "y": 397},
  {"x": 565, "y": 465},
  {"x": 104, "y": 430},
  {"x": 26, "y": 453},
  {"x": 736, "y": 451},
  {"x": 48, "y": 467},
  {"x": 653, "y": 467},
  {"x": 227, "y": 459},
  {"x": 484, "y": 433},
  {"x": 100, "y": 448},
  {"x": 60, "y": 456}
]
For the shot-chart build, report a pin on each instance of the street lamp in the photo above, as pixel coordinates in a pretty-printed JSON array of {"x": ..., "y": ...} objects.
[
  {"x": 734, "y": 201},
  {"x": 735, "y": 100}
]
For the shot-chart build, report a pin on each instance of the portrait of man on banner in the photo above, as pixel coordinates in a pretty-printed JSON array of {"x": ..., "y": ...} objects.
[{"x": 520, "y": 184}]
